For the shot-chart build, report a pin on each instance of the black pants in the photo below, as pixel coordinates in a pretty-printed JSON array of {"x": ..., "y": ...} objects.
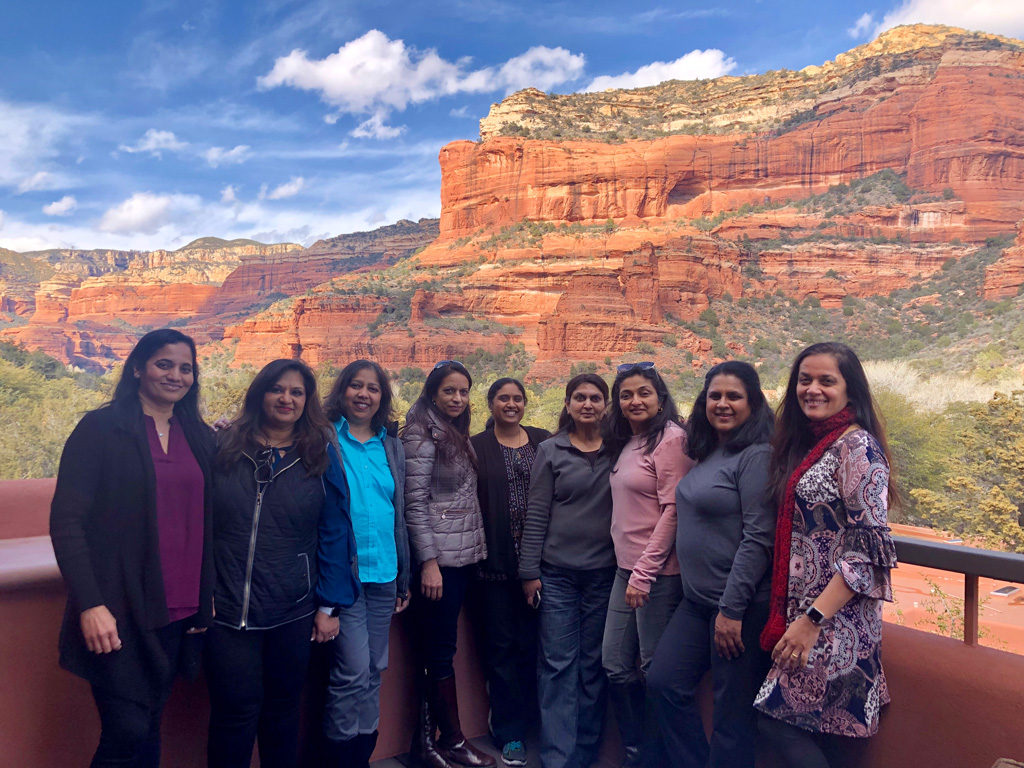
[
  {"x": 803, "y": 749},
  {"x": 685, "y": 653},
  {"x": 255, "y": 679},
  {"x": 130, "y": 730},
  {"x": 437, "y": 621},
  {"x": 507, "y": 627}
]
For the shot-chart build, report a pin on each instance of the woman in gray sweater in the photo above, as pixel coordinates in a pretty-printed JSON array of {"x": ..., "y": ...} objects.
[
  {"x": 567, "y": 554},
  {"x": 726, "y": 525}
]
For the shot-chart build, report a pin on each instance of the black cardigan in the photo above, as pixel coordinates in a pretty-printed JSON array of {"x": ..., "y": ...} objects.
[
  {"x": 104, "y": 531},
  {"x": 492, "y": 489}
]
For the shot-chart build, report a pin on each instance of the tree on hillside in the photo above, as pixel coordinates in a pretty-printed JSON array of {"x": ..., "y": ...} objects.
[{"x": 984, "y": 495}]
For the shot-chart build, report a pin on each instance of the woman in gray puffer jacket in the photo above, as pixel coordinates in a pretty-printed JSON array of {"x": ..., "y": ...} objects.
[{"x": 446, "y": 534}]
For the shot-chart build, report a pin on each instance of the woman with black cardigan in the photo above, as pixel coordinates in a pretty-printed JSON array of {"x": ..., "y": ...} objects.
[
  {"x": 131, "y": 529},
  {"x": 505, "y": 452}
]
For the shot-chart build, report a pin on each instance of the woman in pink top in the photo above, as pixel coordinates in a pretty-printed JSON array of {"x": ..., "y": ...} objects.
[{"x": 650, "y": 445}]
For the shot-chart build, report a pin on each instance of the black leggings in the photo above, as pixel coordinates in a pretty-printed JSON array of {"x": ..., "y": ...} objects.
[{"x": 803, "y": 749}]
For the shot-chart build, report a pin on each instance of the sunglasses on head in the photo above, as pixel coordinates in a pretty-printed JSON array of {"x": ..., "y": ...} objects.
[
  {"x": 443, "y": 363},
  {"x": 646, "y": 365}
]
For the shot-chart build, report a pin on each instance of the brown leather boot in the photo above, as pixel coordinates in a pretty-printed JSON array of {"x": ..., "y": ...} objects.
[
  {"x": 451, "y": 744},
  {"x": 423, "y": 750}
]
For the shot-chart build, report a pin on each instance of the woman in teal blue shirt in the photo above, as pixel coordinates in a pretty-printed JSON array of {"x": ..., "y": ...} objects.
[{"x": 359, "y": 408}]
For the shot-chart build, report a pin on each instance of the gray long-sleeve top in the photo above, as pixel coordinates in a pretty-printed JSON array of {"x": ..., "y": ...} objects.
[
  {"x": 569, "y": 510},
  {"x": 726, "y": 530}
]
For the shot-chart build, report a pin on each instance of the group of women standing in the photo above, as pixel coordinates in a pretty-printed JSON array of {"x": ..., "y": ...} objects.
[{"x": 622, "y": 557}]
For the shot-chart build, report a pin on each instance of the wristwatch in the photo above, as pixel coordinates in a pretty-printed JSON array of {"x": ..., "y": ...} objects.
[
  {"x": 334, "y": 611},
  {"x": 815, "y": 616}
]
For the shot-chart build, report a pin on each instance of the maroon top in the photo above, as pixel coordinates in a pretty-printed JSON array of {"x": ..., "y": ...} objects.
[{"x": 179, "y": 518}]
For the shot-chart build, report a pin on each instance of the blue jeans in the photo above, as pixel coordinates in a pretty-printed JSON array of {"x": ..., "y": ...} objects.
[
  {"x": 686, "y": 652},
  {"x": 570, "y": 681},
  {"x": 359, "y": 655}
]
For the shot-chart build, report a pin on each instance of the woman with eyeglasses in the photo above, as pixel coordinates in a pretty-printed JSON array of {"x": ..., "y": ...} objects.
[
  {"x": 131, "y": 529},
  {"x": 725, "y": 526},
  {"x": 648, "y": 449},
  {"x": 829, "y": 476},
  {"x": 446, "y": 534},
  {"x": 505, "y": 452},
  {"x": 359, "y": 408},
  {"x": 567, "y": 565},
  {"x": 283, "y": 547}
]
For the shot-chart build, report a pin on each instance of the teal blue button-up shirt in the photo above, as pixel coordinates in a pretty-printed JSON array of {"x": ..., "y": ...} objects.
[{"x": 373, "y": 510}]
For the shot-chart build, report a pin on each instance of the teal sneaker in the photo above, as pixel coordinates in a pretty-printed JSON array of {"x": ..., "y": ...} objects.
[{"x": 513, "y": 754}]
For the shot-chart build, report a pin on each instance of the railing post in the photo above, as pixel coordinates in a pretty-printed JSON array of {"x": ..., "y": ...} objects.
[{"x": 971, "y": 608}]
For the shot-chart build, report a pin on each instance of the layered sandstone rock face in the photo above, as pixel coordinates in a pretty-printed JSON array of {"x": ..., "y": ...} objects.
[{"x": 590, "y": 226}]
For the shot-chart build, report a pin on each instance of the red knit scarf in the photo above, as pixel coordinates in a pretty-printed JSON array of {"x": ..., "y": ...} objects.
[{"x": 827, "y": 432}]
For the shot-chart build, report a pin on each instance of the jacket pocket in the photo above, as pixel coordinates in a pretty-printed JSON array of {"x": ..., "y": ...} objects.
[{"x": 303, "y": 582}]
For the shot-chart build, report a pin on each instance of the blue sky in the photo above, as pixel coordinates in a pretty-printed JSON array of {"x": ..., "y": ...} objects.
[{"x": 146, "y": 124}]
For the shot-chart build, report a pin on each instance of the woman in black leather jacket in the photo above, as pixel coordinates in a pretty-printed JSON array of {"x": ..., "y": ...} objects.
[{"x": 283, "y": 547}]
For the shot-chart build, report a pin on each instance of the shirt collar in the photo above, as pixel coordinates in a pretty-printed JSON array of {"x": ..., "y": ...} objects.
[{"x": 343, "y": 430}]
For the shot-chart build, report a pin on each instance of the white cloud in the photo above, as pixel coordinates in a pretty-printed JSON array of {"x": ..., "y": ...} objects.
[
  {"x": 1004, "y": 17},
  {"x": 61, "y": 207},
  {"x": 376, "y": 75},
  {"x": 155, "y": 142},
  {"x": 1, "y": 219},
  {"x": 374, "y": 128},
  {"x": 695, "y": 65},
  {"x": 862, "y": 26},
  {"x": 38, "y": 181},
  {"x": 288, "y": 189},
  {"x": 229, "y": 194},
  {"x": 219, "y": 156},
  {"x": 146, "y": 213},
  {"x": 32, "y": 138},
  {"x": 462, "y": 111}
]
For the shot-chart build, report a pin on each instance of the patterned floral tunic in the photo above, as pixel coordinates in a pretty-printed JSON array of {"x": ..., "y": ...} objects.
[{"x": 839, "y": 525}]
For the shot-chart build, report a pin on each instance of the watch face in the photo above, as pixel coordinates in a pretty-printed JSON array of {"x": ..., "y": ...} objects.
[{"x": 815, "y": 615}]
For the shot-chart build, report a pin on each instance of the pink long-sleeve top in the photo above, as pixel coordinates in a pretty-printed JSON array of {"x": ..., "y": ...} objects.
[{"x": 644, "y": 506}]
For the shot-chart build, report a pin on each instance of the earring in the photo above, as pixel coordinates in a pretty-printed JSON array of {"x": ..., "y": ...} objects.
[{"x": 660, "y": 408}]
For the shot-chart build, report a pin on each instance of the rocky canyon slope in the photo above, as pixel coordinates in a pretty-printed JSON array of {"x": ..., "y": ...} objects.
[{"x": 599, "y": 225}]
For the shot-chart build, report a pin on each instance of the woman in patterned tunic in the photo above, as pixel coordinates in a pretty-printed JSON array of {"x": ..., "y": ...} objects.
[
  {"x": 505, "y": 451},
  {"x": 833, "y": 554}
]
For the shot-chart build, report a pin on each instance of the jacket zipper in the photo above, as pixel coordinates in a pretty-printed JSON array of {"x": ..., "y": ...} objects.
[
  {"x": 252, "y": 556},
  {"x": 247, "y": 587}
]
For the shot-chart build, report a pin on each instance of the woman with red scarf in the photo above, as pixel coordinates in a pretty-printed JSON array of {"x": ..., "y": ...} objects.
[{"x": 833, "y": 554}]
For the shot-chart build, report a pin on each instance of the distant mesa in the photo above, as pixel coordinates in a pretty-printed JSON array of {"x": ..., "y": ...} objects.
[{"x": 593, "y": 225}]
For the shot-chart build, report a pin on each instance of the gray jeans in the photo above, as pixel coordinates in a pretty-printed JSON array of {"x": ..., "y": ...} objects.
[
  {"x": 631, "y": 635},
  {"x": 360, "y": 655}
]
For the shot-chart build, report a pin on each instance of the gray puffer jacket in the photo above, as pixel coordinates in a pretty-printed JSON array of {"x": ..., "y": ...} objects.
[{"x": 442, "y": 510}]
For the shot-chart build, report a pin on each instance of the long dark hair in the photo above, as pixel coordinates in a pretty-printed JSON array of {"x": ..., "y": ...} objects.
[
  {"x": 702, "y": 438},
  {"x": 334, "y": 403},
  {"x": 617, "y": 428},
  {"x": 457, "y": 429},
  {"x": 127, "y": 390},
  {"x": 793, "y": 437},
  {"x": 565, "y": 422},
  {"x": 492, "y": 392},
  {"x": 312, "y": 432}
]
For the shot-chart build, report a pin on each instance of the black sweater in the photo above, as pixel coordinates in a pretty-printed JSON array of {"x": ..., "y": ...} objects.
[
  {"x": 492, "y": 489},
  {"x": 104, "y": 531}
]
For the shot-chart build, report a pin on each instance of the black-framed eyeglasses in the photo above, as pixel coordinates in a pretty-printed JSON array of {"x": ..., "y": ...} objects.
[
  {"x": 264, "y": 471},
  {"x": 645, "y": 365},
  {"x": 443, "y": 363}
]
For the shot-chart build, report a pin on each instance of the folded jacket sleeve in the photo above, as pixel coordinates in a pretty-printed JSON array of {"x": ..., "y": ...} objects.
[
  {"x": 420, "y": 455},
  {"x": 538, "y": 513},
  {"x": 867, "y": 552},
  {"x": 74, "y": 500}
]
